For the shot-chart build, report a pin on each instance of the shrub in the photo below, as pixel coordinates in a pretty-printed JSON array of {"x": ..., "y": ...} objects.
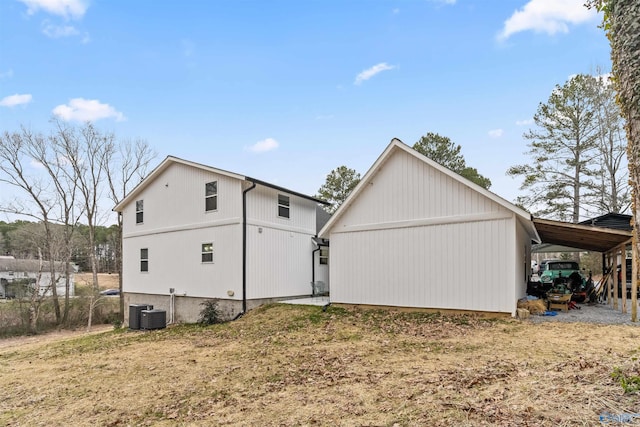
[
  {"x": 629, "y": 383},
  {"x": 210, "y": 314}
]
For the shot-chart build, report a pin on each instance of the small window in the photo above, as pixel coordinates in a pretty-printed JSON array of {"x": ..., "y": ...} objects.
[
  {"x": 139, "y": 211},
  {"x": 144, "y": 259},
  {"x": 324, "y": 256},
  {"x": 207, "y": 252},
  {"x": 211, "y": 196},
  {"x": 283, "y": 206}
]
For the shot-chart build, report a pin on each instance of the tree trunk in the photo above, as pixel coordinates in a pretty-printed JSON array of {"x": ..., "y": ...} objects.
[
  {"x": 52, "y": 271},
  {"x": 624, "y": 35},
  {"x": 118, "y": 249}
]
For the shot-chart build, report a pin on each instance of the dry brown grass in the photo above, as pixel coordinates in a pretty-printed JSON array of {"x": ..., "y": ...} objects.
[
  {"x": 294, "y": 365},
  {"x": 105, "y": 281}
]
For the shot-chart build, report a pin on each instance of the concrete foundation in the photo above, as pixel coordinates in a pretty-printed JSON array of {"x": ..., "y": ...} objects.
[{"x": 187, "y": 309}]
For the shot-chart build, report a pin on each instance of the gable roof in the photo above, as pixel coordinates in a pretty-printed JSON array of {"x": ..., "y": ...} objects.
[
  {"x": 170, "y": 160},
  {"x": 395, "y": 146}
]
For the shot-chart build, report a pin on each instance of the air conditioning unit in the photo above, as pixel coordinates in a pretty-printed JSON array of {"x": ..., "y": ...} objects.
[
  {"x": 135, "y": 311},
  {"x": 153, "y": 319}
]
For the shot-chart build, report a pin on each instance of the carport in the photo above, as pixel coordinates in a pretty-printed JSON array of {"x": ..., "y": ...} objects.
[{"x": 589, "y": 236}]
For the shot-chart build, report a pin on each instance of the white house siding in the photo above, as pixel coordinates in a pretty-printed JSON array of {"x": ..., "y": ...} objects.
[
  {"x": 406, "y": 188},
  {"x": 321, "y": 270},
  {"x": 452, "y": 266},
  {"x": 174, "y": 228},
  {"x": 523, "y": 245},
  {"x": 416, "y": 237},
  {"x": 278, "y": 249},
  {"x": 175, "y": 200},
  {"x": 175, "y": 261}
]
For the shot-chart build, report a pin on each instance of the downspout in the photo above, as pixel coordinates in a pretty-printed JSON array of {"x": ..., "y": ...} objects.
[{"x": 244, "y": 247}]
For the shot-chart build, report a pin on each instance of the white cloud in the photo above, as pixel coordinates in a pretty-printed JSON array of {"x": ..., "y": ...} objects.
[
  {"x": 496, "y": 133},
  {"x": 264, "y": 145},
  {"x": 524, "y": 122},
  {"x": 546, "y": 16},
  {"x": 65, "y": 8},
  {"x": 83, "y": 110},
  {"x": 370, "y": 72},
  {"x": 13, "y": 100},
  {"x": 57, "y": 31}
]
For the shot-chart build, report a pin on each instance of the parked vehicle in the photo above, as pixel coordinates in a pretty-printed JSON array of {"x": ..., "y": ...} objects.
[
  {"x": 565, "y": 273},
  {"x": 110, "y": 292}
]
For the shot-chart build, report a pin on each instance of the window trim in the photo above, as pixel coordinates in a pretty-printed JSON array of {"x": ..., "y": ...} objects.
[
  {"x": 213, "y": 196},
  {"x": 144, "y": 261},
  {"x": 282, "y": 205},
  {"x": 203, "y": 253},
  {"x": 140, "y": 211}
]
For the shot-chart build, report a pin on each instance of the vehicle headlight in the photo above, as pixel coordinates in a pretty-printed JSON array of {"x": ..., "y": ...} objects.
[{"x": 546, "y": 279}]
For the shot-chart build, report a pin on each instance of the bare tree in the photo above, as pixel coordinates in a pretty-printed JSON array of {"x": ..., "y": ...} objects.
[
  {"x": 40, "y": 194},
  {"x": 125, "y": 168},
  {"x": 86, "y": 150},
  {"x": 611, "y": 193}
]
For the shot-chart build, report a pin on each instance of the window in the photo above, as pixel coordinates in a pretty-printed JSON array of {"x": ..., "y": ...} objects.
[
  {"x": 324, "y": 256},
  {"x": 211, "y": 196},
  {"x": 283, "y": 206},
  {"x": 139, "y": 211},
  {"x": 207, "y": 252},
  {"x": 144, "y": 259}
]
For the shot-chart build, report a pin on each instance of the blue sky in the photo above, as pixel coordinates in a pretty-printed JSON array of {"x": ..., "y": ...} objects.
[{"x": 285, "y": 91}]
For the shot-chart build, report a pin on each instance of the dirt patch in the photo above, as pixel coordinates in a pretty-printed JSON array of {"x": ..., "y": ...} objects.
[{"x": 293, "y": 365}]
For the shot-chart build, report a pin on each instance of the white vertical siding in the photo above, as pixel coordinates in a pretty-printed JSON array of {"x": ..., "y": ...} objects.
[
  {"x": 262, "y": 207},
  {"x": 279, "y": 250},
  {"x": 407, "y": 188},
  {"x": 416, "y": 237},
  {"x": 175, "y": 227},
  {"x": 321, "y": 270},
  {"x": 278, "y": 263},
  {"x": 176, "y": 199},
  {"x": 175, "y": 261},
  {"x": 464, "y": 266},
  {"x": 523, "y": 264},
  {"x": 279, "y": 260}
]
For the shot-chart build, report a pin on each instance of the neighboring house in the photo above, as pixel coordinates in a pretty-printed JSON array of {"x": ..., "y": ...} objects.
[
  {"x": 415, "y": 234},
  {"x": 193, "y": 232},
  {"x": 19, "y": 276}
]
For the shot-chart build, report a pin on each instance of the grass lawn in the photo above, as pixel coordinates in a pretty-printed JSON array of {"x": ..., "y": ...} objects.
[{"x": 296, "y": 365}]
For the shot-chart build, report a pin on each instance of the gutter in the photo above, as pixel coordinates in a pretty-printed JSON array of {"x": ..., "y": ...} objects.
[{"x": 244, "y": 248}]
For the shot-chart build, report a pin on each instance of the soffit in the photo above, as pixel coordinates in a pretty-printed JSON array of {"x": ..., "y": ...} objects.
[{"x": 585, "y": 237}]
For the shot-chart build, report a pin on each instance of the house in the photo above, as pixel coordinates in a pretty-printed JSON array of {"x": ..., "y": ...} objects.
[
  {"x": 415, "y": 234},
  {"x": 19, "y": 276},
  {"x": 192, "y": 232}
]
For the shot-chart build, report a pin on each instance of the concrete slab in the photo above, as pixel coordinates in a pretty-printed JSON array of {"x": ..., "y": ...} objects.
[{"x": 318, "y": 301}]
